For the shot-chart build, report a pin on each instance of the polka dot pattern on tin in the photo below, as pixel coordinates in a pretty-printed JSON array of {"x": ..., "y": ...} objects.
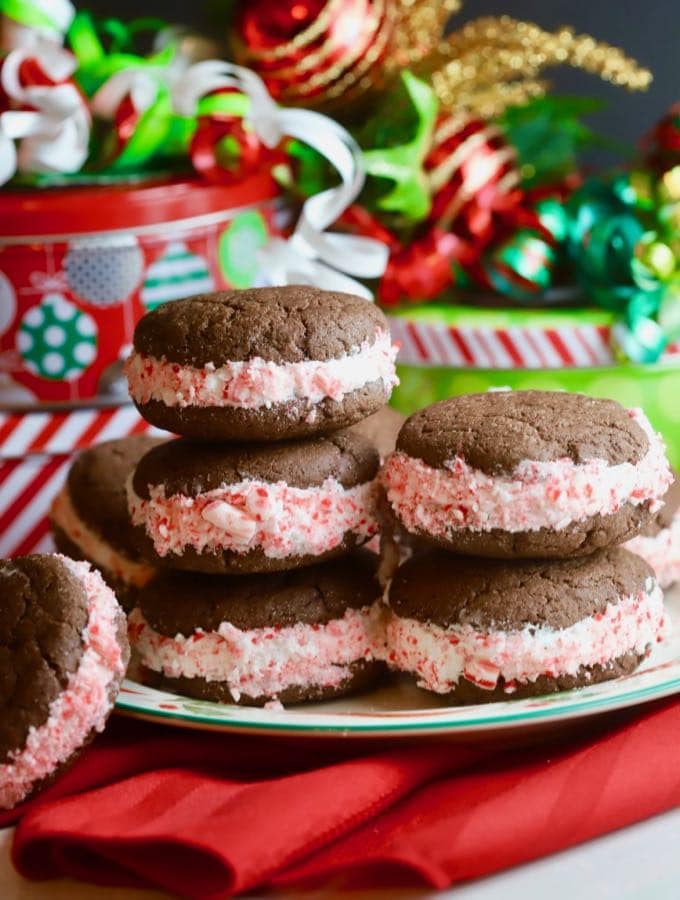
[
  {"x": 56, "y": 340},
  {"x": 104, "y": 274}
]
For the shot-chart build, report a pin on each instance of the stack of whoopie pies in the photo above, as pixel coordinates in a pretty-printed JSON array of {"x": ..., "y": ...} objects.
[
  {"x": 266, "y": 488},
  {"x": 512, "y": 506}
]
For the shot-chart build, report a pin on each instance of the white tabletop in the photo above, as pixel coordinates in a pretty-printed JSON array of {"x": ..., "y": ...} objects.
[{"x": 637, "y": 863}]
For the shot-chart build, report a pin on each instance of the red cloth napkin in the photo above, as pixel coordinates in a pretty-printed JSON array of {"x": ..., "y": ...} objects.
[{"x": 205, "y": 815}]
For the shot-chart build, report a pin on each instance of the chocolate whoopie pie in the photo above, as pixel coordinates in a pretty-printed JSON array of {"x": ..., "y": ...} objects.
[
  {"x": 90, "y": 518},
  {"x": 501, "y": 630},
  {"x": 526, "y": 474},
  {"x": 309, "y": 634},
  {"x": 659, "y": 542},
  {"x": 255, "y": 507},
  {"x": 63, "y": 653},
  {"x": 261, "y": 364}
]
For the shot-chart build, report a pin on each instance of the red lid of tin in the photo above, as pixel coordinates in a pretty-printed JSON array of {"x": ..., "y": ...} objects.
[{"x": 92, "y": 208}]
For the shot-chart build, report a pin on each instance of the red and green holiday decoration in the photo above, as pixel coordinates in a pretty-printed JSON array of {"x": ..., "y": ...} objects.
[
  {"x": 56, "y": 340},
  {"x": 624, "y": 248},
  {"x": 455, "y": 157},
  {"x": 522, "y": 265},
  {"x": 104, "y": 272},
  {"x": 473, "y": 175},
  {"x": 238, "y": 248},
  {"x": 223, "y": 147},
  {"x": 316, "y": 52},
  {"x": 176, "y": 273}
]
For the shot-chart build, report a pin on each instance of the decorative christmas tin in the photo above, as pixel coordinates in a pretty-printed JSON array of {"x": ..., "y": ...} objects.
[{"x": 80, "y": 265}]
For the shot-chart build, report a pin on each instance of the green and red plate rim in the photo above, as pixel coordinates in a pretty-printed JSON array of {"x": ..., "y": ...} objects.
[
  {"x": 552, "y": 708},
  {"x": 659, "y": 677}
]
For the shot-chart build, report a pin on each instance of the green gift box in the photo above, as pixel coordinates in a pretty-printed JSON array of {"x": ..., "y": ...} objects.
[{"x": 447, "y": 350}]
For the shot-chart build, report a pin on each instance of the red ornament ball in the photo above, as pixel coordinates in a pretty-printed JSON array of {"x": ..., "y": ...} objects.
[{"x": 317, "y": 53}]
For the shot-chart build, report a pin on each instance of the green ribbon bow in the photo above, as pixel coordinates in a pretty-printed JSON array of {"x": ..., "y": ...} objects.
[
  {"x": 402, "y": 164},
  {"x": 159, "y": 134},
  {"x": 624, "y": 245},
  {"x": 40, "y": 14}
]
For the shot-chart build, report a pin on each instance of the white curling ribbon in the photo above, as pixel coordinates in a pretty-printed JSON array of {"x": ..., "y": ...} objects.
[
  {"x": 312, "y": 255},
  {"x": 60, "y": 14},
  {"x": 288, "y": 263},
  {"x": 140, "y": 84},
  {"x": 8, "y": 155},
  {"x": 55, "y": 62},
  {"x": 54, "y": 135}
]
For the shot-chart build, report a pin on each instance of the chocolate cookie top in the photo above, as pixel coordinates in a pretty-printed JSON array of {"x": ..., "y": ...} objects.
[
  {"x": 180, "y": 602},
  {"x": 96, "y": 485},
  {"x": 184, "y": 467},
  {"x": 496, "y": 431},
  {"x": 280, "y": 324},
  {"x": 497, "y": 594},
  {"x": 664, "y": 518},
  {"x": 44, "y": 611}
]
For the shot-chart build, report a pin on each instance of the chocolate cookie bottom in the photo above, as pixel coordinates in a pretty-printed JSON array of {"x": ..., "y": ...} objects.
[
  {"x": 466, "y": 693},
  {"x": 577, "y": 539},
  {"x": 362, "y": 675},
  {"x": 281, "y": 421},
  {"x": 228, "y": 562}
]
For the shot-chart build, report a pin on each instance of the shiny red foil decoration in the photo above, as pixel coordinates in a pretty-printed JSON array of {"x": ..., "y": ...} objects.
[
  {"x": 418, "y": 271},
  {"x": 205, "y": 154},
  {"x": 481, "y": 177},
  {"x": 314, "y": 52},
  {"x": 431, "y": 261},
  {"x": 422, "y": 270}
]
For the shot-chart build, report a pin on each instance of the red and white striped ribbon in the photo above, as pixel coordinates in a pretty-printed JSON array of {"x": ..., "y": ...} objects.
[
  {"x": 516, "y": 347},
  {"x": 36, "y": 450}
]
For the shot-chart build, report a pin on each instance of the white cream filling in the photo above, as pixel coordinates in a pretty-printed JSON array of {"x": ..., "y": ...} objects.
[
  {"x": 257, "y": 383},
  {"x": 262, "y": 661},
  {"x": 97, "y": 551},
  {"x": 441, "y": 657}
]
